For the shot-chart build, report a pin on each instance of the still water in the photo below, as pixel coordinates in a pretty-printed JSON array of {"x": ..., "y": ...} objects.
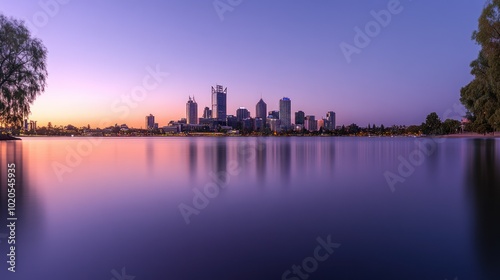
[{"x": 253, "y": 208}]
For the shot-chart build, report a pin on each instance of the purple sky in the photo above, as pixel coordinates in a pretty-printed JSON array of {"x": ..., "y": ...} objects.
[{"x": 100, "y": 50}]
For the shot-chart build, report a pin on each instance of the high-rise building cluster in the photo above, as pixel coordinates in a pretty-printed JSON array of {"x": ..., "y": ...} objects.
[
  {"x": 150, "y": 122},
  {"x": 29, "y": 125},
  {"x": 216, "y": 117}
]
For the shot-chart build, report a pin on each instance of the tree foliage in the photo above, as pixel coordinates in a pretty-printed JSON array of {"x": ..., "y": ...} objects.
[
  {"x": 23, "y": 70},
  {"x": 450, "y": 126},
  {"x": 432, "y": 124},
  {"x": 482, "y": 95}
]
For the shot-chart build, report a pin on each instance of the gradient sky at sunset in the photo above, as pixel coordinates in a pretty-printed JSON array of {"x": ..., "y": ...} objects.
[{"x": 100, "y": 50}]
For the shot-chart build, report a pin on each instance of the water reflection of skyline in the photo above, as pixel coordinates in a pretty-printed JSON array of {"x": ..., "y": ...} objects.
[
  {"x": 261, "y": 162},
  {"x": 286, "y": 157},
  {"x": 193, "y": 158},
  {"x": 306, "y": 178}
]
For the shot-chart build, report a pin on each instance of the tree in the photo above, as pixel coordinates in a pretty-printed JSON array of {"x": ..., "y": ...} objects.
[
  {"x": 482, "y": 95},
  {"x": 432, "y": 124},
  {"x": 414, "y": 129},
  {"x": 23, "y": 70},
  {"x": 450, "y": 126}
]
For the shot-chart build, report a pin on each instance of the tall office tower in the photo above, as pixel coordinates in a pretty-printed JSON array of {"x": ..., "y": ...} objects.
[
  {"x": 274, "y": 114},
  {"x": 310, "y": 123},
  {"x": 191, "y": 111},
  {"x": 242, "y": 113},
  {"x": 207, "y": 113},
  {"x": 219, "y": 99},
  {"x": 299, "y": 117},
  {"x": 32, "y": 126},
  {"x": 150, "y": 121},
  {"x": 286, "y": 113},
  {"x": 330, "y": 117},
  {"x": 261, "y": 109}
]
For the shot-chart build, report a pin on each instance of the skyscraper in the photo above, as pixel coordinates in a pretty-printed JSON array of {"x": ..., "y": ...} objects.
[
  {"x": 330, "y": 117},
  {"x": 299, "y": 117},
  {"x": 310, "y": 123},
  {"x": 286, "y": 113},
  {"x": 219, "y": 97},
  {"x": 242, "y": 113},
  {"x": 191, "y": 111},
  {"x": 261, "y": 109},
  {"x": 150, "y": 121},
  {"x": 32, "y": 125},
  {"x": 207, "y": 113}
]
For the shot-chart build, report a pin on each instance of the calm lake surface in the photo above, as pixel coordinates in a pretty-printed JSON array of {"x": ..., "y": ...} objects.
[{"x": 253, "y": 208}]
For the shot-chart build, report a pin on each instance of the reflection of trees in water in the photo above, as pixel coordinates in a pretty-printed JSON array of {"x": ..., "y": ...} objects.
[
  {"x": 26, "y": 202},
  {"x": 11, "y": 152},
  {"x": 483, "y": 175}
]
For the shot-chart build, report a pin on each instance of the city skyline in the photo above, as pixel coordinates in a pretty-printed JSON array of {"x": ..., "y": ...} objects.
[
  {"x": 94, "y": 66},
  {"x": 284, "y": 115},
  {"x": 192, "y": 117}
]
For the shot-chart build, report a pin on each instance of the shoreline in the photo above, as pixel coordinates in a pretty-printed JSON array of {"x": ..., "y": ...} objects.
[
  {"x": 4, "y": 137},
  {"x": 471, "y": 135},
  {"x": 464, "y": 135}
]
